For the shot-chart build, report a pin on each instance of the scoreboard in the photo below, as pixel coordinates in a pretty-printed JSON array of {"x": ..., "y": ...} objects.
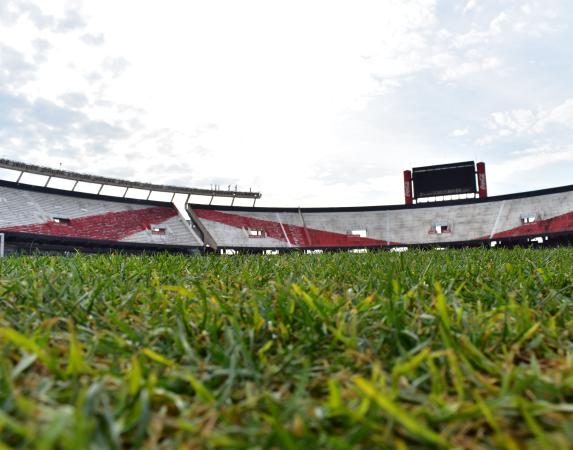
[{"x": 445, "y": 179}]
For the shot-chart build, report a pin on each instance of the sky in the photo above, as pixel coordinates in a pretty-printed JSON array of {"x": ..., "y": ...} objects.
[{"x": 313, "y": 103}]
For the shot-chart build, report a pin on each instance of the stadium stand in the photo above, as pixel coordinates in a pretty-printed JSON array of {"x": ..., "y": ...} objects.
[
  {"x": 34, "y": 217},
  {"x": 41, "y": 217},
  {"x": 516, "y": 218},
  {"x": 46, "y": 218}
]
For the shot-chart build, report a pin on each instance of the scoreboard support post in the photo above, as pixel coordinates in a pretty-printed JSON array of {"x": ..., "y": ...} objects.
[
  {"x": 408, "y": 195},
  {"x": 482, "y": 181}
]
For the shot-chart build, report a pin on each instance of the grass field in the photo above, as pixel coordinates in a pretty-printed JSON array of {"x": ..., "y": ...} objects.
[{"x": 436, "y": 349}]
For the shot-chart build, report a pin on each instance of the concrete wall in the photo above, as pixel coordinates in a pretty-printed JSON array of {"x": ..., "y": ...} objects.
[{"x": 551, "y": 212}]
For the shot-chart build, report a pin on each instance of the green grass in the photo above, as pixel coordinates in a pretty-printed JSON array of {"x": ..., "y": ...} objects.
[{"x": 435, "y": 349}]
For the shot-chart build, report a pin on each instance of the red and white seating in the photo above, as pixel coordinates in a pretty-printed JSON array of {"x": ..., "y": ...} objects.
[
  {"x": 545, "y": 213},
  {"x": 51, "y": 213}
]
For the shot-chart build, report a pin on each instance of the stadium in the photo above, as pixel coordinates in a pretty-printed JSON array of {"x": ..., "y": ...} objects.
[
  {"x": 124, "y": 325},
  {"x": 444, "y": 206},
  {"x": 399, "y": 276}
]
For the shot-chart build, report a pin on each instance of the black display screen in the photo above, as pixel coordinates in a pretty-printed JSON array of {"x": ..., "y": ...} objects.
[{"x": 446, "y": 179}]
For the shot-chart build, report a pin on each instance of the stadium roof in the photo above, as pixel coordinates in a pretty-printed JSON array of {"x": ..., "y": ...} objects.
[{"x": 65, "y": 174}]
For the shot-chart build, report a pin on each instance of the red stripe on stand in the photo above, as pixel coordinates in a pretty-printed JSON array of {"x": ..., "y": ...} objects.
[
  {"x": 112, "y": 226},
  {"x": 295, "y": 235},
  {"x": 556, "y": 224}
]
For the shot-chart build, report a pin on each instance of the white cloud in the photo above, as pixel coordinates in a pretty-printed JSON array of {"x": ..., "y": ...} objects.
[
  {"x": 517, "y": 121},
  {"x": 530, "y": 160},
  {"x": 471, "y": 4},
  {"x": 460, "y": 132},
  {"x": 561, "y": 115},
  {"x": 473, "y": 63},
  {"x": 521, "y": 122}
]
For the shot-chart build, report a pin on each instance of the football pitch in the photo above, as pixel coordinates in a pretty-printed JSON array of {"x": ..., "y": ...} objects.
[{"x": 469, "y": 349}]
